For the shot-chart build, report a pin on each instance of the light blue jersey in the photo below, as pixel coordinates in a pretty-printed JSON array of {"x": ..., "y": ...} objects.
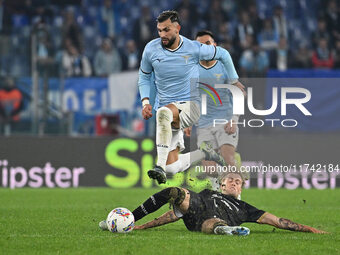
[
  {"x": 220, "y": 105},
  {"x": 176, "y": 71}
]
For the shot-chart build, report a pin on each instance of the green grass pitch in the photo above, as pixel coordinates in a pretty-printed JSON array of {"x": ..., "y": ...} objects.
[{"x": 65, "y": 221}]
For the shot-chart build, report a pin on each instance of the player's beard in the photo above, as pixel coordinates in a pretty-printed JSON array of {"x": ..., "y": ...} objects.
[{"x": 170, "y": 42}]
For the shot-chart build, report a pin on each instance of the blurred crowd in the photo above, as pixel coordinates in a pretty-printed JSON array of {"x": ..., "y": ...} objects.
[{"x": 102, "y": 37}]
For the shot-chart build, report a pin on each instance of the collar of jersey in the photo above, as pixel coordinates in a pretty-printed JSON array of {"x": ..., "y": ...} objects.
[
  {"x": 207, "y": 68},
  {"x": 179, "y": 46}
]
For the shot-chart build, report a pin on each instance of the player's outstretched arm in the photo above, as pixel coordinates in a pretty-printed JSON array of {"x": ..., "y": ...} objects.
[
  {"x": 166, "y": 218},
  {"x": 210, "y": 52},
  {"x": 283, "y": 223}
]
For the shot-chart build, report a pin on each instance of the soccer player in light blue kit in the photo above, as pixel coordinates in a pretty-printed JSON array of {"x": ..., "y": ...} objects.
[
  {"x": 174, "y": 60},
  {"x": 223, "y": 138}
]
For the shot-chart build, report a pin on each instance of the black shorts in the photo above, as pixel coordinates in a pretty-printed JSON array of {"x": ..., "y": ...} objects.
[{"x": 197, "y": 212}]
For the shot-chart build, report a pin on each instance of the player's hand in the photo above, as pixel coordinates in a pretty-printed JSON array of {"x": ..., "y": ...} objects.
[
  {"x": 187, "y": 131},
  {"x": 317, "y": 231},
  {"x": 241, "y": 87},
  {"x": 230, "y": 129},
  {"x": 147, "y": 111}
]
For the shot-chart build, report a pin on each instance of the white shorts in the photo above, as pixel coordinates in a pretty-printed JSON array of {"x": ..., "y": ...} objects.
[
  {"x": 189, "y": 114},
  {"x": 216, "y": 136}
]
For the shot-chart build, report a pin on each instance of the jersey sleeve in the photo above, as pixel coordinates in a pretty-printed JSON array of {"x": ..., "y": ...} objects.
[
  {"x": 224, "y": 56},
  {"x": 253, "y": 214},
  {"x": 145, "y": 75},
  {"x": 145, "y": 65},
  {"x": 206, "y": 52}
]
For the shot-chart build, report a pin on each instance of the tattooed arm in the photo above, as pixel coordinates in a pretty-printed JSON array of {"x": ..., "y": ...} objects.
[
  {"x": 282, "y": 223},
  {"x": 166, "y": 218}
]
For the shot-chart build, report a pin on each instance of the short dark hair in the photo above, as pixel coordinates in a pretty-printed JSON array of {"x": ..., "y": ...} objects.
[
  {"x": 205, "y": 32},
  {"x": 172, "y": 15}
]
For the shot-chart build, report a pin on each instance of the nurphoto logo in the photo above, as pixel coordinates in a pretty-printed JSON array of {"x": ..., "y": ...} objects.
[{"x": 239, "y": 104}]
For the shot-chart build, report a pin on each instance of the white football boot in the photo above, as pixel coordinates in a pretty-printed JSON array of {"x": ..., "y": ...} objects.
[
  {"x": 237, "y": 230},
  {"x": 103, "y": 225}
]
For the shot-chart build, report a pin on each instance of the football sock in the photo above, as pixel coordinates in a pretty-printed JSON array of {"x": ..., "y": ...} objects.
[
  {"x": 182, "y": 164},
  {"x": 156, "y": 201},
  {"x": 196, "y": 156},
  {"x": 164, "y": 118},
  {"x": 174, "y": 168},
  {"x": 185, "y": 161}
]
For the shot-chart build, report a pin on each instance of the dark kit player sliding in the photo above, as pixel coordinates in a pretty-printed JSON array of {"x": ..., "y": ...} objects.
[{"x": 210, "y": 211}]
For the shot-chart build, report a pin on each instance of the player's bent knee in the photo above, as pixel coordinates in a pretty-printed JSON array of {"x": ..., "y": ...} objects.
[
  {"x": 175, "y": 115},
  {"x": 177, "y": 196},
  {"x": 230, "y": 160},
  {"x": 209, "y": 225},
  {"x": 164, "y": 114},
  {"x": 174, "y": 110}
]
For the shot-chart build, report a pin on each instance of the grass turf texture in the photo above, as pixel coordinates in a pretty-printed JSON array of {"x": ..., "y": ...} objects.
[{"x": 65, "y": 221}]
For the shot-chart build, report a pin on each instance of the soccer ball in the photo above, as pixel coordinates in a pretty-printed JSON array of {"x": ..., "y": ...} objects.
[{"x": 120, "y": 220}]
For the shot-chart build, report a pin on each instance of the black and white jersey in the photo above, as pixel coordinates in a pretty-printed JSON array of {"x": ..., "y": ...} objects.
[{"x": 212, "y": 204}]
